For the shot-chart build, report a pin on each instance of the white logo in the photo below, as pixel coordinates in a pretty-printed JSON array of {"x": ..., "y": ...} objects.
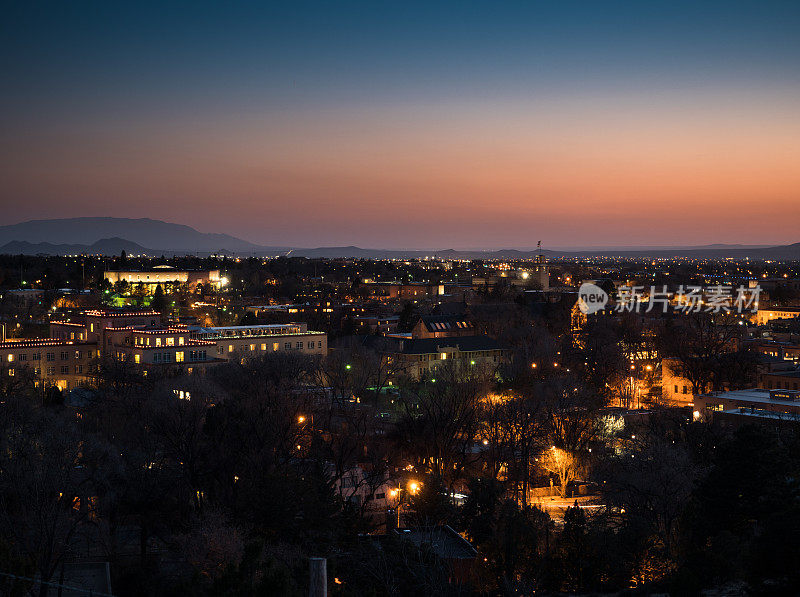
[{"x": 591, "y": 298}]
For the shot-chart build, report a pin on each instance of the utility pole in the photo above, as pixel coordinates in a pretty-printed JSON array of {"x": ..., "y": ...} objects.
[{"x": 317, "y": 577}]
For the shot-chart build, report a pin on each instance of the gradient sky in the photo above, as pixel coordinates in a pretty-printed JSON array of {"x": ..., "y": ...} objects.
[{"x": 406, "y": 124}]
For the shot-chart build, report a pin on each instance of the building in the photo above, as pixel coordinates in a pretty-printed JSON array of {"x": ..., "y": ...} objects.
[
  {"x": 676, "y": 390},
  {"x": 61, "y": 363},
  {"x": 775, "y": 408},
  {"x": 398, "y": 290},
  {"x": 424, "y": 356},
  {"x": 756, "y": 400},
  {"x": 259, "y": 339},
  {"x": 766, "y": 315},
  {"x": 69, "y": 358},
  {"x": 442, "y": 326},
  {"x": 166, "y": 274},
  {"x": 777, "y": 380}
]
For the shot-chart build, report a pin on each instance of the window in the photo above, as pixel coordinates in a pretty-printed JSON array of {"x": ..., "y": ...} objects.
[
  {"x": 676, "y": 388},
  {"x": 319, "y": 344},
  {"x": 64, "y": 355},
  {"x": 685, "y": 390},
  {"x": 179, "y": 356},
  {"x": 51, "y": 371},
  {"x": 37, "y": 356},
  {"x": 275, "y": 346},
  {"x": 252, "y": 347},
  {"x": 137, "y": 359},
  {"x": 158, "y": 341},
  {"x": 11, "y": 372},
  {"x": 65, "y": 369},
  {"x": 230, "y": 347},
  {"x": 287, "y": 345},
  {"x": 51, "y": 356},
  {"x": 89, "y": 354},
  {"x": 10, "y": 358},
  {"x": 264, "y": 346},
  {"x": 79, "y": 369},
  {"x": 311, "y": 345},
  {"x": 23, "y": 356},
  {"x": 298, "y": 345},
  {"x": 78, "y": 354}
]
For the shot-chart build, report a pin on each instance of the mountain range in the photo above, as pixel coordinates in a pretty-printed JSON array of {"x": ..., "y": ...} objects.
[{"x": 144, "y": 236}]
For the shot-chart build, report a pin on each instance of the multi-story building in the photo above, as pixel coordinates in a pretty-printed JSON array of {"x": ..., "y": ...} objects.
[
  {"x": 62, "y": 363},
  {"x": 256, "y": 339},
  {"x": 69, "y": 358},
  {"x": 420, "y": 357}
]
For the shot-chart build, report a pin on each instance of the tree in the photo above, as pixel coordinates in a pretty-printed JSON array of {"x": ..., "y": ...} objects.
[
  {"x": 159, "y": 301},
  {"x": 560, "y": 463}
]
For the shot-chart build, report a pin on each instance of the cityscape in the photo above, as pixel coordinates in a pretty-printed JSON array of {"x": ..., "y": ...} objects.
[{"x": 426, "y": 299}]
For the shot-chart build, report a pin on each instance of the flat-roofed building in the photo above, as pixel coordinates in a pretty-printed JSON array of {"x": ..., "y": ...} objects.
[
  {"x": 756, "y": 399},
  {"x": 777, "y": 380},
  {"x": 164, "y": 274},
  {"x": 765, "y": 315},
  {"x": 424, "y": 356},
  {"x": 62, "y": 363},
  {"x": 255, "y": 339}
]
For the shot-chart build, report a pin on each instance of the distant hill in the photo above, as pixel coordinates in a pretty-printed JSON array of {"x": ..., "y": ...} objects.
[
  {"x": 161, "y": 236},
  {"x": 110, "y": 236},
  {"x": 104, "y": 246}
]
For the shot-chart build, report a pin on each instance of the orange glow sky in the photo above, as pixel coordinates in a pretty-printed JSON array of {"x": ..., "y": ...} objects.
[{"x": 634, "y": 157}]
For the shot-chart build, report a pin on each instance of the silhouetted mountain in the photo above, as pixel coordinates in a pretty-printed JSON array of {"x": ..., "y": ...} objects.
[
  {"x": 110, "y": 236},
  {"x": 163, "y": 236},
  {"x": 104, "y": 246}
]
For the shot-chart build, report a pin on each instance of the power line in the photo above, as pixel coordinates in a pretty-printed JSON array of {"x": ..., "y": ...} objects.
[{"x": 91, "y": 592}]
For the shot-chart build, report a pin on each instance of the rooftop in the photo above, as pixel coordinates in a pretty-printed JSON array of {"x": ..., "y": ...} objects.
[
  {"x": 463, "y": 343},
  {"x": 754, "y": 395}
]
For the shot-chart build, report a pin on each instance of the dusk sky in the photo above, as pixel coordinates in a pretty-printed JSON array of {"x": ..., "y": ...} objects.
[{"x": 425, "y": 125}]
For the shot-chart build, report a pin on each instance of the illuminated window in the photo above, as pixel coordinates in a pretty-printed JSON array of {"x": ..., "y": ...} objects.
[
  {"x": 264, "y": 346},
  {"x": 158, "y": 341},
  {"x": 275, "y": 346},
  {"x": 252, "y": 347},
  {"x": 137, "y": 359},
  {"x": 10, "y": 358},
  {"x": 230, "y": 347},
  {"x": 180, "y": 341},
  {"x": 170, "y": 341},
  {"x": 179, "y": 357}
]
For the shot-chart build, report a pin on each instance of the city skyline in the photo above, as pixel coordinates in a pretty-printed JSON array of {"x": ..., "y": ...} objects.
[{"x": 410, "y": 127}]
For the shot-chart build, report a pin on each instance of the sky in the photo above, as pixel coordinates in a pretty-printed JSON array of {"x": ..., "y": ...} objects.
[{"x": 409, "y": 124}]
